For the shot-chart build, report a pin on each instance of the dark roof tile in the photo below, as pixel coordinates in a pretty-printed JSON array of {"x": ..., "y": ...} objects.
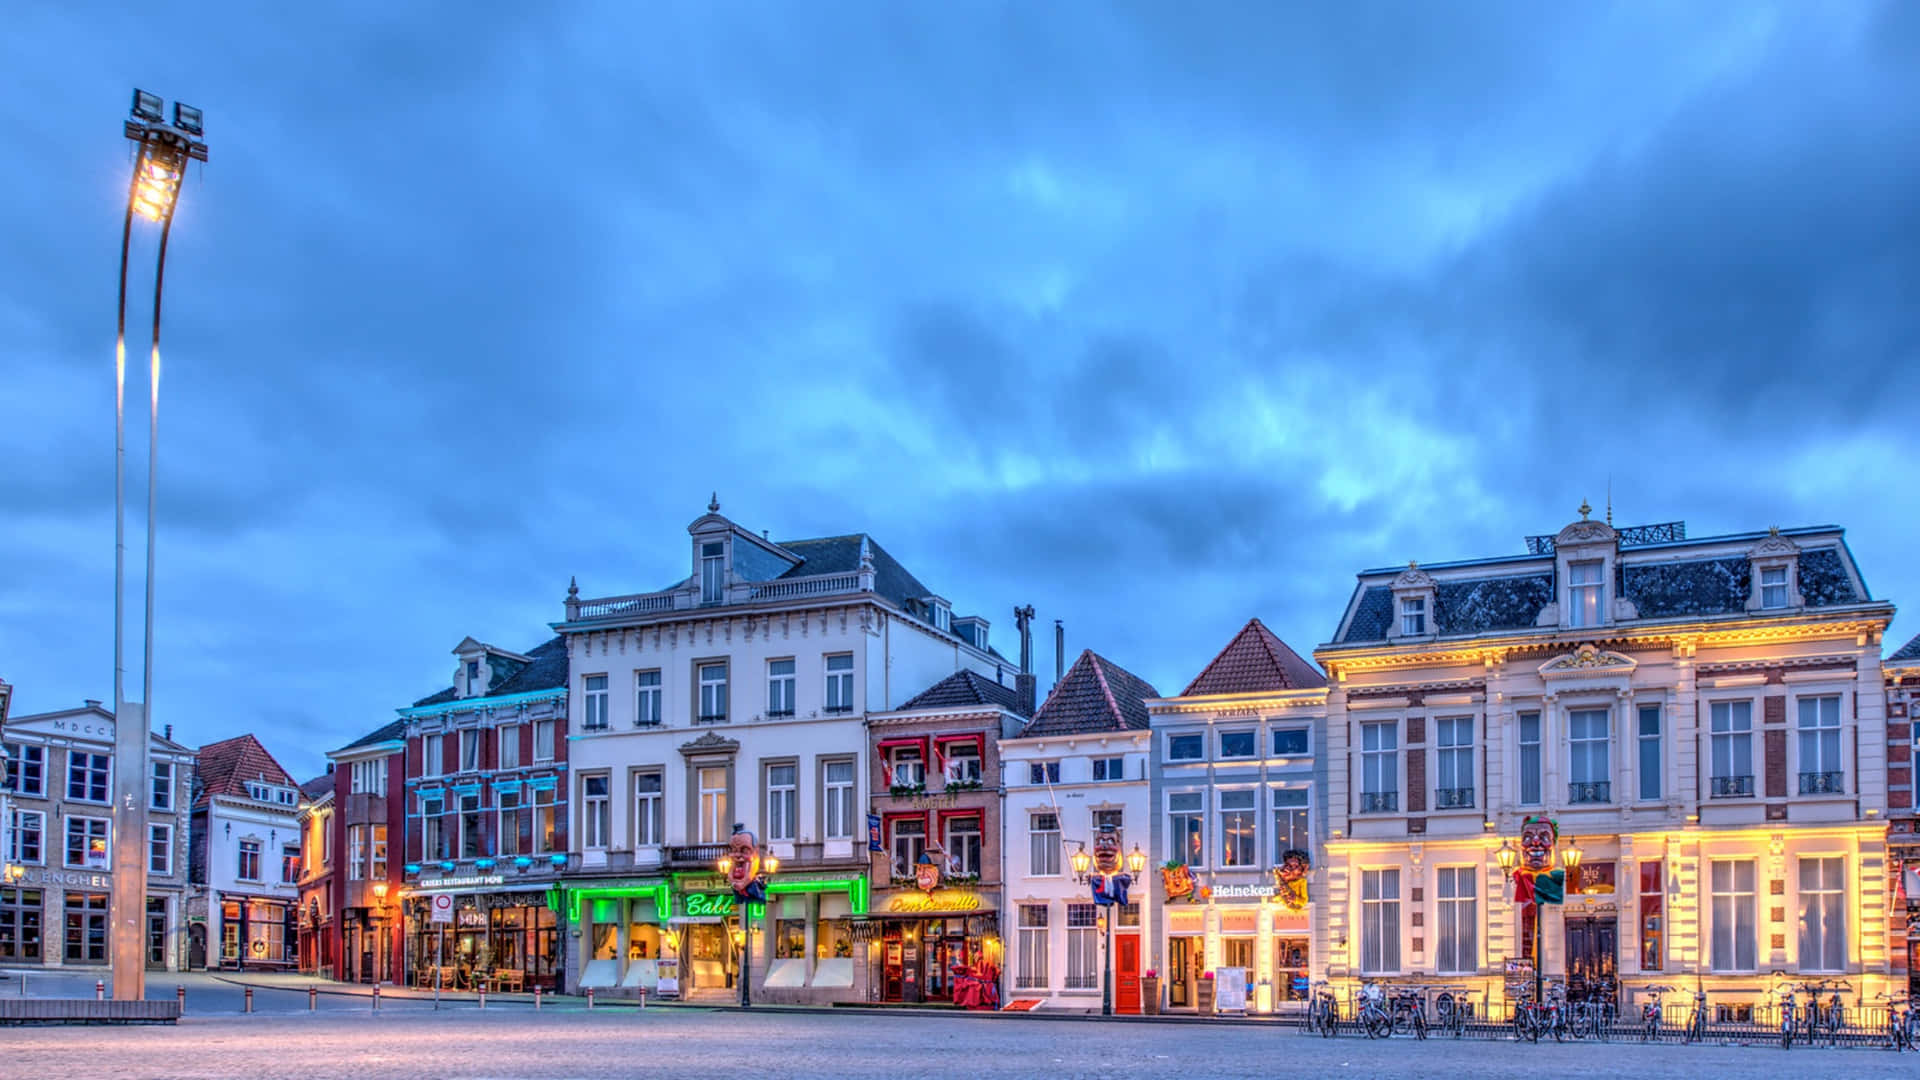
[
  {"x": 1255, "y": 661},
  {"x": 223, "y": 768},
  {"x": 1095, "y": 695},
  {"x": 547, "y": 670},
  {"x": 963, "y": 690}
]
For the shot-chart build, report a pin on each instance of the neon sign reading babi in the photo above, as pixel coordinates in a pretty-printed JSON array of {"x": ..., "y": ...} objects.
[{"x": 704, "y": 904}]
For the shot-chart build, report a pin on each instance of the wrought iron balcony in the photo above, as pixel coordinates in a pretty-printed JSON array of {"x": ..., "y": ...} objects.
[
  {"x": 1823, "y": 783},
  {"x": 1732, "y": 787},
  {"x": 1453, "y": 798},
  {"x": 1379, "y": 802},
  {"x": 1590, "y": 791},
  {"x": 716, "y": 718},
  {"x": 779, "y": 714}
]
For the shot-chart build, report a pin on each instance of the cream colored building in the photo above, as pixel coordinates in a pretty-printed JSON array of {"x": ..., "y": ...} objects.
[{"x": 1704, "y": 718}]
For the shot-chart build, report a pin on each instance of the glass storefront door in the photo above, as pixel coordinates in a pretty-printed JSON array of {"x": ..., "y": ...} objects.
[
  {"x": 1184, "y": 957},
  {"x": 712, "y": 957}
]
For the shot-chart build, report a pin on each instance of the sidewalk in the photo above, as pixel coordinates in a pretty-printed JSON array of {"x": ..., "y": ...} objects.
[{"x": 572, "y": 1002}]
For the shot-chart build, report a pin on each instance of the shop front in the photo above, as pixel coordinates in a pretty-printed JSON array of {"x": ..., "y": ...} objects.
[
  {"x": 504, "y": 938},
  {"x": 258, "y": 932},
  {"x": 931, "y": 941},
  {"x": 1247, "y": 933},
  {"x": 626, "y": 943},
  {"x": 60, "y": 917},
  {"x": 802, "y": 938}
]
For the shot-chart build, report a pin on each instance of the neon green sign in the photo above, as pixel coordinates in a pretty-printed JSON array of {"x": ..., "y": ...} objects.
[{"x": 709, "y": 904}]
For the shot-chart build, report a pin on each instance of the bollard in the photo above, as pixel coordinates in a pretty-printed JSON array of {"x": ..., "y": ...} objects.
[
  {"x": 643, "y": 999},
  {"x": 99, "y": 989},
  {"x": 313, "y": 997},
  {"x": 249, "y": 999},
  {"x": 180, "y": 996},
  {"x": 536, "y": 998},
  {"x": 483, "y": 995},
  {"x": 376, "y": 997},
  {"x": 589, "y": 997}
]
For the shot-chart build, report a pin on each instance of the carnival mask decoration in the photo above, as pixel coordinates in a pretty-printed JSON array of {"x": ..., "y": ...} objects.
[
  {"x": 1290, "y": 878},
  {"x": 743, "y": 865},
  {"x": 1537, "y": 837},
  {"x": 926, "y": 872},
  {"x": 1176, "y": 878},
  {"x": 1106, "y": 850}
]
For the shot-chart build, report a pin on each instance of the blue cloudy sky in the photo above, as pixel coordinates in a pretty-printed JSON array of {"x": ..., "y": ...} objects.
[{"x": 1155, "y": 316}]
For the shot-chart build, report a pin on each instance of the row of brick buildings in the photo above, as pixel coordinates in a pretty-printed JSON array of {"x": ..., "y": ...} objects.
[{"x": 1709, "y": 722}]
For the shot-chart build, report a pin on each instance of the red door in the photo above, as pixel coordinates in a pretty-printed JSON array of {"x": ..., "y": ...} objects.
[{"x": 1126, "y": 974}]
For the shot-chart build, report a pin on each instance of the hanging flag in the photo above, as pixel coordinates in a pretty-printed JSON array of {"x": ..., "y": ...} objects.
[{"x": 873, "y": 833}]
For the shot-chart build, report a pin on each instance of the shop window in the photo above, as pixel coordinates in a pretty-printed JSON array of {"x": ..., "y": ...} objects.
[
  {"x": 833, "y": 939},
  {"x": 86, "y": 928},
  {"x": 1652, "y": 921},
  {"x": 1083, "y": 947},
  {"x": 790, "y": 939},
  {"x": 1032, "y": 971},
  {"x": 20, "y": 915}
]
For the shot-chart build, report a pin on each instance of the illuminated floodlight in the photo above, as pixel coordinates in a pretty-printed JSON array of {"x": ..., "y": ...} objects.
[
  {"x": 147, "y": 106},
  {"x": 187, "y": 119}
]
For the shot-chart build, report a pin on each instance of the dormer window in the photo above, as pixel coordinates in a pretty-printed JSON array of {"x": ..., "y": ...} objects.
[
  {"x": 1773, "y": 587},
  {"x": 1413, "y": 616},
  {"x": 473, "y": 672},
  {"x": 712, "y": 571},
  {"x": 1586, "y": 593}
]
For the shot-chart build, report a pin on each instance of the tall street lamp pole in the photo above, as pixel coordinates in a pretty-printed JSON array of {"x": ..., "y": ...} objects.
[{"x": 152, "y": 193}]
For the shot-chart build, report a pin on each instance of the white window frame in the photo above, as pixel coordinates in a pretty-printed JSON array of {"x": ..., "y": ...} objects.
[
  {"x": 1181, "y": 822},
  {"x": 160, "y": 839},
  {"x": 507, "y": 805},
  {"x": 1413, "y": 616},
  {"x": 462, "y": 812},
  {"x": 1820, "y": 746},
  {"x": 1253, "y": 745},
  {"x": 19, "y": 756},
  {"x": 508, "y": 752},
  {"x": 545, "y": 732},
  {"x": 17, "y": 829},
  {"x": 433, "y": 749},
  {"x": 712, "y": 676},
  {"x": 469, "y": 744},
  {"x": 783, "y": 802},
  {"x": 1581, "y": 750},
  {"x": 1828, "y": 935},
  {"x": 901, "y": 846},
  {"x": 781, "y": 684},
  {"x": 907, "y": 765},
  {"x": 377, "y": 852},
  {"x": 1109, "y": 768},
  {"x": 1201, "y": 736},
  {"x": 1047, "y": 772},
  {"x": 1299, "y": 802},
  {"x": 712, "y": 826},
  {"x": 1274, "y": 742},
  {"x": 839, "y": 684},
  {"x": 596, "y": 812},
  {"x": 1453, "y": 758},
  {"x": 1736, "y": 735},
  {"x": 249, "y": 848},
  {"x": 1774, "y": 595},
  {"x": 1380, "y": 760},
  {"x": 713, "y": 571},
  {"x": 160, "y": 785},
  {"x": 957, "y": 856},
  {"x": 1649, "y": 740},
  {"x": 104, "y": 769},
  {"x": 1530, "y": 764},
  {"x": 1732, "y": 912},
  {"x": 648, "y": 698},
  {"x": 1380, "y": 920},
  {"x": 965, "y": 767},
  {"x": 1247, "y": 816},
  {"x": 1043, "y": 844},
  {"x": 1587, "y": 597},
  {"x": 839, "y": 794},
  {"x": 1457, "y": 938},
  {"x": 356, "y": 852},
  {"x": 593, "y": 695},
  {"x": 1035, "y": 944},
  {"x": 1083, "y": 946},
  {"x": 87, "y": 836},
  {"x": 649, "y": 808}
]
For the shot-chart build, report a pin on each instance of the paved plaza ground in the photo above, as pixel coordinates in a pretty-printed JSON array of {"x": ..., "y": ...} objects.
[{"x": 409, "y": 1038}]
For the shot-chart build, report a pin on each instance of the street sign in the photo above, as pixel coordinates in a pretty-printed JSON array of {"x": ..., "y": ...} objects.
[{"x": 442, "y": 907}]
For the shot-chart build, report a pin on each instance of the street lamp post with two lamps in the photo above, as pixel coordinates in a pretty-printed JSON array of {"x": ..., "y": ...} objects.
[
  {"x": 1109, "y": 887},
  {"x": 1538, "y": 882},
  {"x": 747, "y": 869}
]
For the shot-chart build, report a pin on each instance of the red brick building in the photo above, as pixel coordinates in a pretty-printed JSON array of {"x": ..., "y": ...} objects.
[
  {"x": 364, "y": 832},
  {"x": 485, "y": 809},
  {"x": 1902, "y": 674}
]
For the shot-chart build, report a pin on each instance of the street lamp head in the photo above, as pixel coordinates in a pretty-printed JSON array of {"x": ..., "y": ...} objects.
[
  {"x": 1082, "y": 861},
  {"x": 1136, "y": 861},
  {"x": 1572, "y": 855},
  {"x": 13, "y": 873},
  {"x": 1507, "y": 857},
  {"x": 769, "y": 863},
  {"x": 147, "y": 106},
  {"x": 380, "y": 891}
]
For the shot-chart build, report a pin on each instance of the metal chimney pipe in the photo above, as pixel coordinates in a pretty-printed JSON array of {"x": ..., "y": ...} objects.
[
  {"x": 1059, "y": 651},
  {"x": 1023, "y": 619}
]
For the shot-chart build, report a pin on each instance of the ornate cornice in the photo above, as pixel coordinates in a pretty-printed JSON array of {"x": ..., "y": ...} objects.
[{"x": 710, "y": 743}]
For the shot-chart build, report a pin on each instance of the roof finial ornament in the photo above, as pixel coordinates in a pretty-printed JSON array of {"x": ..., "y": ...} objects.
[
  {"x": 866, "y": 553},
  {"x": 573, "y": 588},
  {"x": 713, "y": 504},
  {"x": 1586, "y": 511},
  {"x": 1413, "y": 564},
  {"x": 1773, "y": 530}
]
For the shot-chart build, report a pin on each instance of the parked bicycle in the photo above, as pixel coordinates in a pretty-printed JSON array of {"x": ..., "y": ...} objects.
[
  {"x": 1785, "y": 992},
  {"x": 1697, "y": 1023},
  {"x": 1592, "y": 1018},
  {"x": 1827, "y": 1017},
  {"x": 1323, "y": 1012},
  {"x": 1409, "y": 1012},
  {"x": 1534, "y": 1019},
  {"x": 1370, "y": 1011},
  {"x": 1650, "y": 1014},
  {"x": 1900, "y": 1022},
  {"x": 1452, "y": 1010}
]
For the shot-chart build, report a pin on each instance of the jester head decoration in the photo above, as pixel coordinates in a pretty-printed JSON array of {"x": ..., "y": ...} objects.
[
  {"x": 1537, "y": 837},
  {"x": 742, "y": 860},
  {"x": 1177, "y": 879},
  {"x": 1290, "y": 878},
  {"x": 926, "y": 872},
  {"x": 1106, "y": 850}
]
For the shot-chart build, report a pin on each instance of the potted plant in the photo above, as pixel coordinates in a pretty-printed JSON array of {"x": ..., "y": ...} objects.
[
  {"x": 1206, "y": 993},
  {"x": 1150, "y": 992}
]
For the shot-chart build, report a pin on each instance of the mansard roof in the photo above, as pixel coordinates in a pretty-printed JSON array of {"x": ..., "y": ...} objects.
[
  {"x": 1908, "y": 652},
  {"x": 1255, "y": 661},
  {"x": 1663, "y": 578},
  {"x": 547, "y": 671},
  {"x": 965, "y": 690},
  {"x": 1095, "y": 695}
]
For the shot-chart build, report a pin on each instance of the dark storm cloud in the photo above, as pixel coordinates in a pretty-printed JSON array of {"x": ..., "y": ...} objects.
[{"x": 1157, "y": 317}]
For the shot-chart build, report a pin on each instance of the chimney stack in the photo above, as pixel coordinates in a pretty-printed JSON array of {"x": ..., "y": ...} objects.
[
  {"x": 94, "y": 702},
  {"x": 1024, "y": 682},
  {"x": 1059, "y": 651}
]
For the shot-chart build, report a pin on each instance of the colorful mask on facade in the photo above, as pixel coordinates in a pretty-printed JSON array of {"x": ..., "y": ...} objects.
[
  {"x": 926, "y": 872},
  {"x": 1290, "y": 879},
  {"x": 1106, "y": 850},
  {"x": 743, "y": 860},
  {"x": 1176, "y": 878},
  {"x": 1537, "y": 837}
]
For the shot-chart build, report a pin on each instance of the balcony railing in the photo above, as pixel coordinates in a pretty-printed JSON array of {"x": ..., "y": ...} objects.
[
  {"x": 636, "y": 604},
  {"x": 1823, "y": 783},
  {"x": 1379, "y": 802},
  {"x": 794, "y": 588},
  {"x": 1732, "y": 787},
  {"x": 1453, "y": 798},
  {"x": 739, "y": 592},
  {"x": 713, "y": 718},
  {"x": 706, "y": 856},
  {"x": 837, "y": 710},
  {"x": 1590, "y": 791}
]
